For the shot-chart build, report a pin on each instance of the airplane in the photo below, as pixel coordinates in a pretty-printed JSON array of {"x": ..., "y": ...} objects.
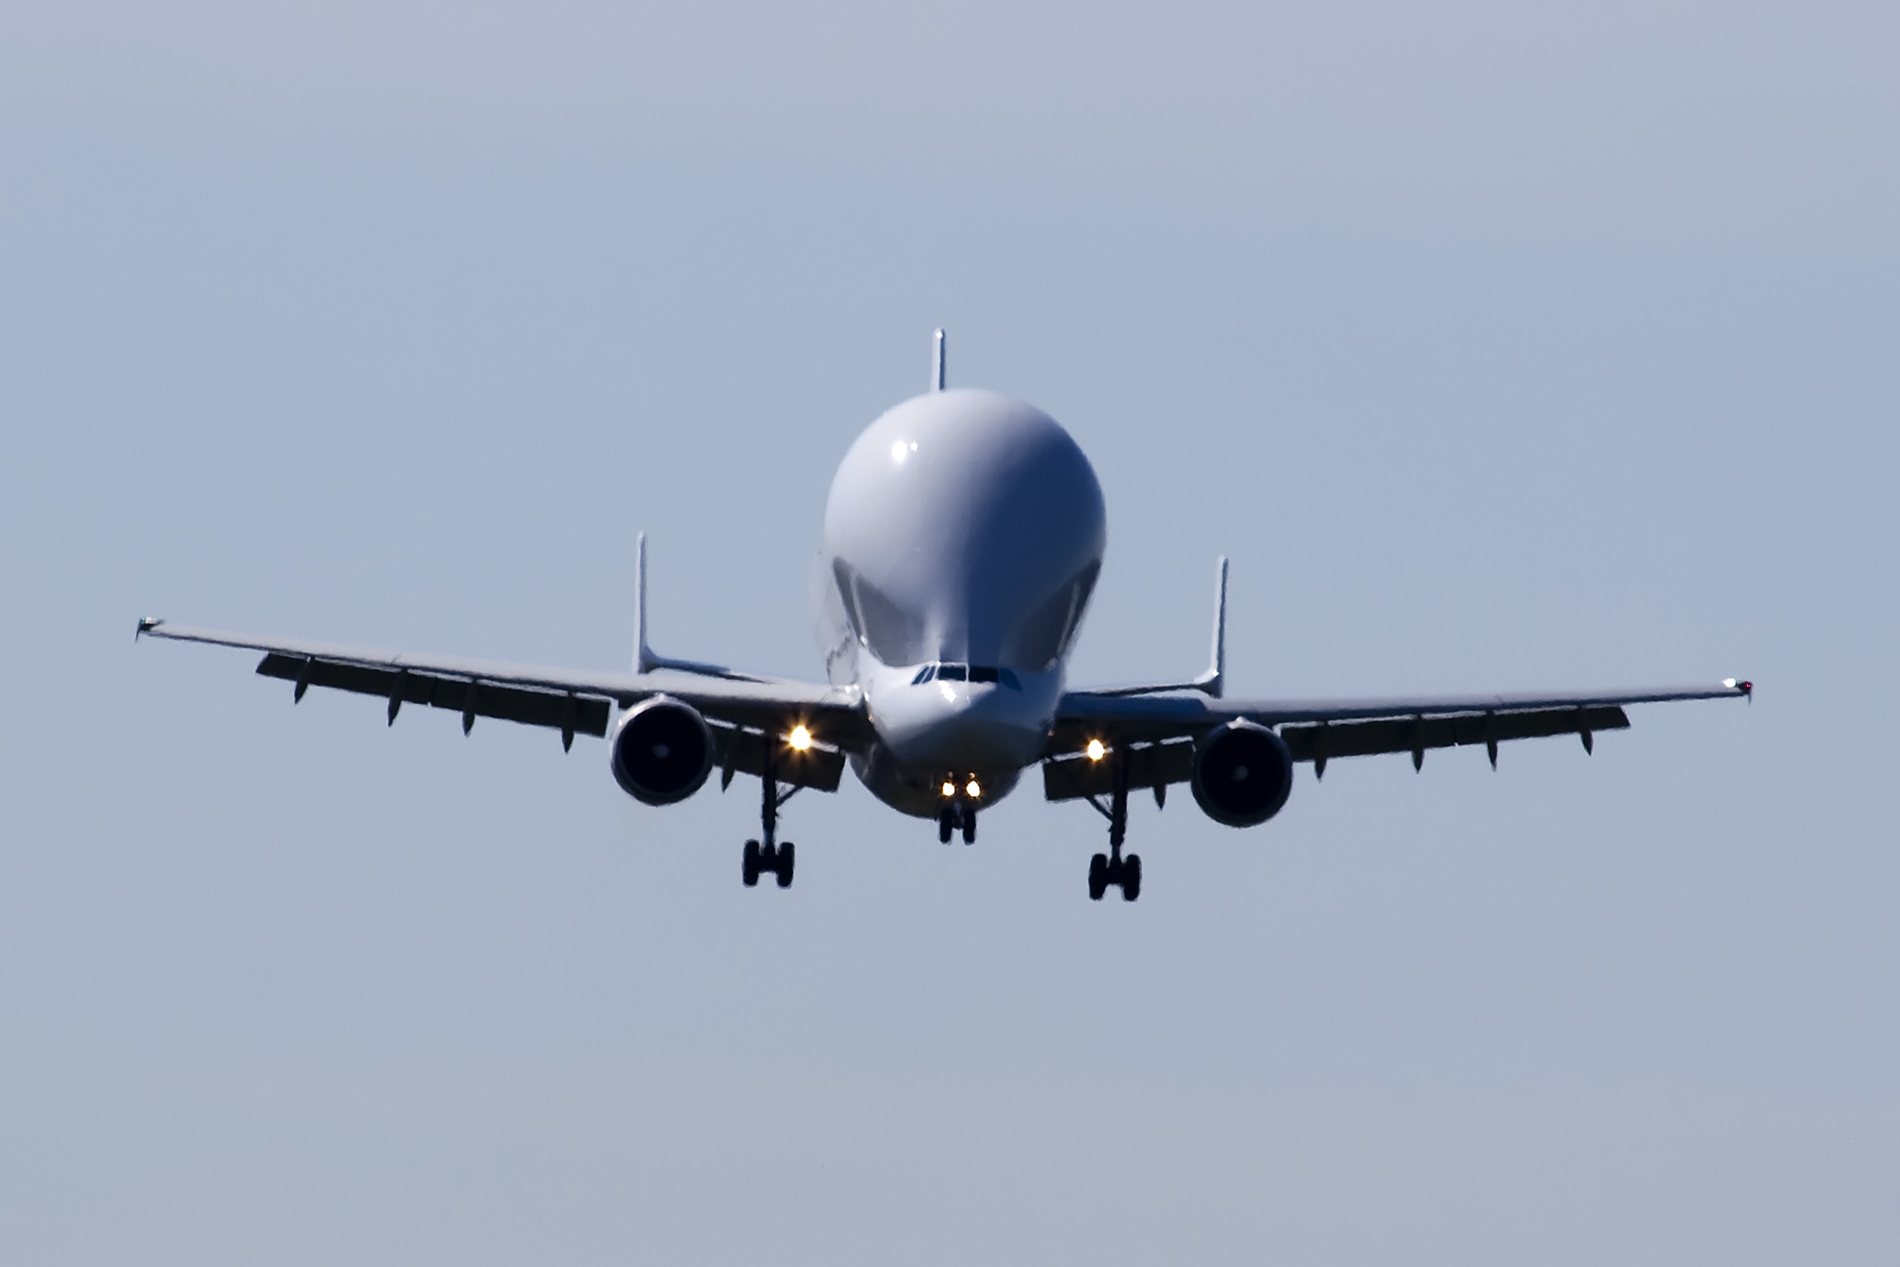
[{"x": 962, "y": 539}]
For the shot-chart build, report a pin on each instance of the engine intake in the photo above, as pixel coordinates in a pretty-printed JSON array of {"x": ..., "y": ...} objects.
[
  {"x": 662, "y": 751},
  {"x": 1243, "y": 774}
]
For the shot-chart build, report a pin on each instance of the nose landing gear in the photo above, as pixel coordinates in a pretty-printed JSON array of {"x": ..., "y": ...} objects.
[
  {"x": 957, "y": 810},
  {"x": 956, "y": 814}
]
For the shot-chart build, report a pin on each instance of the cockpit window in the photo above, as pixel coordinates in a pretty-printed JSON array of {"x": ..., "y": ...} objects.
[{"x": 973, "y": 672}]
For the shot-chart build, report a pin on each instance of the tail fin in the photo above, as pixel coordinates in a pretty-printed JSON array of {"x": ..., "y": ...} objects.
[
  {"x": 1211, "y": 682},
  {"x": 643, "y": 657},
  {"x": 1215, "y": 679},
  {"x": 644, "y": 660}
]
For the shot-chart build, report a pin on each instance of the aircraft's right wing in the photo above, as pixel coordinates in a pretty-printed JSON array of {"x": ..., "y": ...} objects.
[
  {"x": 1158, "y": 731},
  {"x": 1153, "y": 729},
  {"x": 745, "y": 710}
]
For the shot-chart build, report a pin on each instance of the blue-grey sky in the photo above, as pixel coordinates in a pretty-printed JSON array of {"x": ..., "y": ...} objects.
[{"x": 1500, "y": 347}]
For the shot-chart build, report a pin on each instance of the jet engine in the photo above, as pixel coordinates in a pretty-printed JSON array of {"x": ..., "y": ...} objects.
[
  {"x": 1243, "y": 774},
  {"x": 662, "y": 751}
]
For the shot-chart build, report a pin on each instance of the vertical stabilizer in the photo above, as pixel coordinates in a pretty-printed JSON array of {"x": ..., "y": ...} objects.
[
  {"x": 936, "y": 363},
  {"x": 643, "y": 657},
  {"x": 644, "y": 661},
  {"x": 1215, "y": 679}
]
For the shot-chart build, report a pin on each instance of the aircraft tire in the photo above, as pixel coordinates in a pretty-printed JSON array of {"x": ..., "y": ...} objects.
[
  {"x": 787, "y": 853},
  {"x": 749, "y": 864},
  {"x": 1131, "y": 877},
  {"x": 1098, "y": 877}
]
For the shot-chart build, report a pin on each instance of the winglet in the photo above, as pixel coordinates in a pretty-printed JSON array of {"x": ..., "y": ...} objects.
[
  {"x": 1215, "y": 679},
  {"x": 643, "y": 657},
  {"x": 936, "y": 363},
  {"x": 146, "y": 625}
]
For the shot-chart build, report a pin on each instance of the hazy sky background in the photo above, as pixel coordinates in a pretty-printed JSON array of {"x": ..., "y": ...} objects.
[{"x": 1501, "y": 347}]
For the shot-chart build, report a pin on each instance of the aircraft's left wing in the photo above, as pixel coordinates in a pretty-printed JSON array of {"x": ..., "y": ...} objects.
[
  {"x": 1157, "y": 731},
  {"x": 744, "y": 710}
]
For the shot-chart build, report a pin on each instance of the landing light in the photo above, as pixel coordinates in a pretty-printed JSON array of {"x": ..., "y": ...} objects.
[
  {"x": 974, "y": 789},
  {"x": 1096, "y": 751},
  {"x": 949, "y": 789},
  {"x": 800, "y": 738}
]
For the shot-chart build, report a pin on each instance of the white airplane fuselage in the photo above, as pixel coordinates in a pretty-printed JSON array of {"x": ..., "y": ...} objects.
[{"x": 962, "y": 538}]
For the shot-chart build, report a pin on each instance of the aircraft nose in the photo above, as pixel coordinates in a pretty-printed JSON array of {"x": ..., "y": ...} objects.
[{"x": 959, "y": 725}]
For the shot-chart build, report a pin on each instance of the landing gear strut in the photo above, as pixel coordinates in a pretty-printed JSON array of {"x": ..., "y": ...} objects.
[
  {"x": 1111, "y": 868},
  {"x": 955, "y": 814},
  {"x": 769, "y": 854}
]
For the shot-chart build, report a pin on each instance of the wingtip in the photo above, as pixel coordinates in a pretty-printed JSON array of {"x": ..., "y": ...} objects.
[
  {"x": 1741, "y": 685},
  {"x": 146, "y": 625}
]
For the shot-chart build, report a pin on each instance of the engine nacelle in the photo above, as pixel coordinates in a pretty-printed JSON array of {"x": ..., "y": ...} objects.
[
  {"x": 1243, "y": 774},
  {"x": 662, "y": 751}
]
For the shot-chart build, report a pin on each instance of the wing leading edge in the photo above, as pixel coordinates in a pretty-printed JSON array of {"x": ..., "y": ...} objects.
[
  {"x": 743, "y": 711},
  {"x": 1159, "y": 731}
]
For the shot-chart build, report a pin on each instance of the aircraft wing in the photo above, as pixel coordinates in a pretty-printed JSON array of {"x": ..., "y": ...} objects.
[
  {"x": 1158, "y": 730},
  {"x": 573, "y": 701}
]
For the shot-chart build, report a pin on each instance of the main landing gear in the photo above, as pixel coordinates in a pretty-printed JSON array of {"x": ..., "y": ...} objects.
[
  {"x": 1111, "y": 868},
  {"x": 775, "y": 858},
  {"x": 769, "y": 854}
]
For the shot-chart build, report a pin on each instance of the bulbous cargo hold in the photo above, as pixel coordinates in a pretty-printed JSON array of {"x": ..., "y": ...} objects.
[
  {"x": 1243, "y": 774},
  {"x": 662, "y": 751},
  {"x": 962, "y": 527}
]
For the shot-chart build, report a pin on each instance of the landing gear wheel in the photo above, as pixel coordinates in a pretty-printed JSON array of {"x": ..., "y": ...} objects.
[
  {"x": 969, "y": 824},
  {"x": 1113, "y": 868},
  {"x": 946, "y": 823},
  {"x": 767, "y": 853}
]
